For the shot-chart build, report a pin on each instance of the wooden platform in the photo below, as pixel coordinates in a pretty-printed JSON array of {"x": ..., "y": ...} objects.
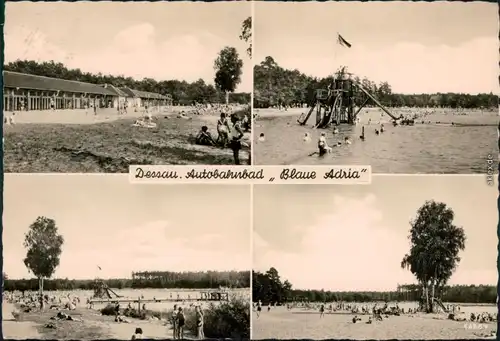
[{"x": 205, "y": 296}]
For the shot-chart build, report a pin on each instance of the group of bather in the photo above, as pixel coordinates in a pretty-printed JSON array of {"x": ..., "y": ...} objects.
[
  {"x": 29, "y": 300},
  {"x": 377, "y": 311}
]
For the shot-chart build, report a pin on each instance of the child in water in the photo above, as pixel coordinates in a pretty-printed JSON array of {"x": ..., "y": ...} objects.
[
  {"x": 323, "y": 147},
  {"x": 137, "y": 334},
  {"x": 307, "y": 137}
]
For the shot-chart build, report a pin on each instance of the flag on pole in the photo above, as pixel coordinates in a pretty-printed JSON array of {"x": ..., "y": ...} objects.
[{"x": 342, "y": 41}]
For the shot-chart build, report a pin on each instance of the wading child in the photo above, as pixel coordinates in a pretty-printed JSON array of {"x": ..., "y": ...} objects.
[{"x": 137, "y": 334}]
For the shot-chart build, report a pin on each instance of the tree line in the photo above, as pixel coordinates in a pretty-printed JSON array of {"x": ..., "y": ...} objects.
[
  {"x": 141, "y": 280},
  {"x": 267, "y": 287},
  {"x": 182, "y": 92},
  {"x": 275, "y": 85},
  {"x": 435, "y": 245}
]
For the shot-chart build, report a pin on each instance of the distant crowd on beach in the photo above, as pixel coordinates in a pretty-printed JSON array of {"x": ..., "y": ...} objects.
[{"x": 377, "y": 311}]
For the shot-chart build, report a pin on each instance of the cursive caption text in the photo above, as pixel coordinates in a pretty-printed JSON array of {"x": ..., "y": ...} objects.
[{"x": 251, "y": 175}]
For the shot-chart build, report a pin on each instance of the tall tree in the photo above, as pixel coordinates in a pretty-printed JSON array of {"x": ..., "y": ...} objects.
[
  {"x": 246, "y": 34},
  {"x": 228, "y": 69},
  {"x": 44, "y": 247},
  {"x": 435, "y": 246}
]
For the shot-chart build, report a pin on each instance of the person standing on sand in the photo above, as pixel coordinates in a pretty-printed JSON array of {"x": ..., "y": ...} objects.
[
  {"x": 236, "y": 135},
  {"x": 181, "y": 322},
  {"x": 199, "y": 323},
  {"x": 174, "y": 322}
]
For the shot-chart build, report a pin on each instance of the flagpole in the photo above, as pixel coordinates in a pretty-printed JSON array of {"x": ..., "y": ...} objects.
[{"x": 335, "y": 53}]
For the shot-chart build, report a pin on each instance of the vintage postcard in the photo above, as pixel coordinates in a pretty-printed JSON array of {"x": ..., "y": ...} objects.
[
  {"x": 102, "y": 259},
  {"x": 406, "y": 87},
  {"x": 408, "y": 257},
  {"x": 93, "y": 87}
]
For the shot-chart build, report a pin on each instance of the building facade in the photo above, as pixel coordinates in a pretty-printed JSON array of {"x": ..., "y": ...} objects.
[{"x": 23, "y": 91}]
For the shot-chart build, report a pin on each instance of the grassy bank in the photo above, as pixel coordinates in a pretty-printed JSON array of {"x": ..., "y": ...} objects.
[
  {"x": 109, "y": 147},
  {"x": 224, "y": 320}
]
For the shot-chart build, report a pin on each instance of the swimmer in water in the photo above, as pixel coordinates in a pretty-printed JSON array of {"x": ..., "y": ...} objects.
[
  {"x": 362, "y": 136},
  {"x": 323, "y": 147},
  {"x": 262, "y": 138},
  {"x": 335, "y": 130},
  {"x": 307, "y": 137},
  {"x": 382, "y": 128},
  {"x": 346, "y": 140}
]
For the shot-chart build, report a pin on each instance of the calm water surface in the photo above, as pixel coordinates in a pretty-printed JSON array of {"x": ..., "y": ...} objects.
[{"x": 422, "y": 148}]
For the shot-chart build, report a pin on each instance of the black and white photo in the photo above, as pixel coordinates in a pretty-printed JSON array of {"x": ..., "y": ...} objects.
[
  {"x": 407, "y": 257},
  {"x": 92, "y": 257},
  {"x": 92, "y": 87},
  {"x": 406, "y": 87}
]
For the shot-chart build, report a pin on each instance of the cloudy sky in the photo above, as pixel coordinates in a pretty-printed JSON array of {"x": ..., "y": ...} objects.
[
  {"x": 417, "y": 47},
  {"x": 354, "y": 237},
  {"x": 123, "y": 228},
  {"x": 159, "y": 40}
]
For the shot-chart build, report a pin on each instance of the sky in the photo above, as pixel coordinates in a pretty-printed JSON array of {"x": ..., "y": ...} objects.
[
  {"x": 417, "y": 47},
  {"x": 353, "y": 238},
  {"x": 160, "y": 40},
  {"x": 120, "y": 227}
]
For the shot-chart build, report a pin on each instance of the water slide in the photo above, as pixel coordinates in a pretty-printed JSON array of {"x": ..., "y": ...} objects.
[
  {"x": 303, "y": 121},
  {"x": 375, "y": 101},
  {"x": 114, "y": 293},
  {"x": 441, "y": 305}
]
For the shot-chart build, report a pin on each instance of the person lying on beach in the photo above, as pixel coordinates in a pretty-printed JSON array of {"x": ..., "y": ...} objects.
[
  {"x": 146, "y": 123},
  {"x": 121, "y": 319},
  {"x": 204, "y": 137},
  {"x": 184, "y": 116}
]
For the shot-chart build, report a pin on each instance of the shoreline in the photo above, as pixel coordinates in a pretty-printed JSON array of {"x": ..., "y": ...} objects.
[{"x": 273, "y": 112}]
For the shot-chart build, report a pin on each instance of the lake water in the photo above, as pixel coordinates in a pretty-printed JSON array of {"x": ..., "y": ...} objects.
[
  {"x": 421, "y": 149},
  {"x": 150, "y": 294}
]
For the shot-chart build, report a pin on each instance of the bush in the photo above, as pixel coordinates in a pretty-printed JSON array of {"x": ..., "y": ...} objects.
[
  {"x": 225, "y": 320},
  {"x": 109, "y": 310}
]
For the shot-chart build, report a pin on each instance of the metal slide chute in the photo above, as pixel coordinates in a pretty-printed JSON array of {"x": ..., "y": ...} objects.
[
  {"x": 370, "y": 96},
  {"x": 440, "y": 304},
  {"x": 302, "y": 120}
]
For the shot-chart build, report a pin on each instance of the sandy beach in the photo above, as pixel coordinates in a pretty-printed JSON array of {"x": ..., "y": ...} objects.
[
  {"x": 299, "y": 324},
  {"x": 76, "y": 142}
]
